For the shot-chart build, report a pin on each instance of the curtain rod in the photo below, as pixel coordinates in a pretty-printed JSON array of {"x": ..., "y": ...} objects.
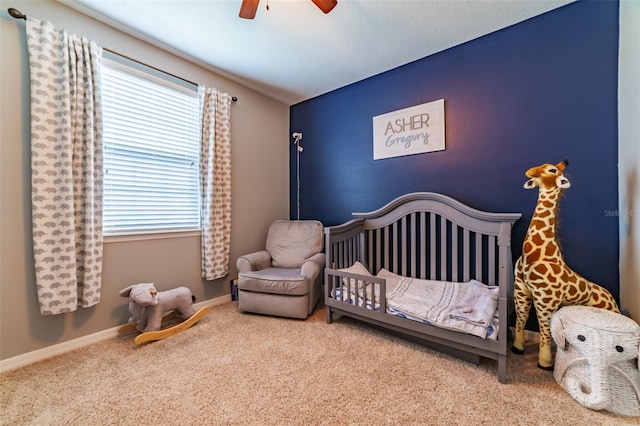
[{"x": 15, "y": 13}]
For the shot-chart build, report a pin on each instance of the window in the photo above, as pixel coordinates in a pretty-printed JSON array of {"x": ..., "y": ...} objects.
[{"x": 151, "y": 151}]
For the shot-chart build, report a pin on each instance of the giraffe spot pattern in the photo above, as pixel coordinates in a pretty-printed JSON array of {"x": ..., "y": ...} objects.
[
  {"x": 537, "y": 240},
  {"x": 550, "y": 251},
  {"x": 538, "y": 224}
]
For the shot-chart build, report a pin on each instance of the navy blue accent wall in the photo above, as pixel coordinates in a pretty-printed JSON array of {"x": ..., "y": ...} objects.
[{"x": 537, "y": 92}]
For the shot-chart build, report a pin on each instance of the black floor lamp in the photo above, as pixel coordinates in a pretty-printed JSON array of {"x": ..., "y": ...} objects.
[{"x": 297, "y": 137}]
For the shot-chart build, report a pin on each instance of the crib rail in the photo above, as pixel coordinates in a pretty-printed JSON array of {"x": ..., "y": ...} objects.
[{"x": 346, "y": 288}]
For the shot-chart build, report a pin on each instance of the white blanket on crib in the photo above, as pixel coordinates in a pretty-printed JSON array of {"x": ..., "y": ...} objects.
[
  {"x": 467, "y": 307},
  {"x": 478, "y": 306}
]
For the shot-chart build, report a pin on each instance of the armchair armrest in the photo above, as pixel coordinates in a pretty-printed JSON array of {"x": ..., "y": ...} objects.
[
  {"x": 312, "y": 266},
  {"x": 254, "y": 261}
]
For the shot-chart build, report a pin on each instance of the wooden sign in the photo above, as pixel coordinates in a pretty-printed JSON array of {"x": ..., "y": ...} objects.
[{"x": 409, "y": 131}]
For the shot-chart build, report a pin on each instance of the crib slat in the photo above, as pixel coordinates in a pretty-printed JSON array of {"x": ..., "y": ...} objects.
[
  {"x": 355, "y": 251},
  {"x": 386, "y": 248},
  {"x": 423, "y": 245},
  {"x": 377, "y": 250},
  {"x": 479, "y": 250},
  {"x": 432, "y": 246},
  {"x": 454, "y": 252},
  {"x": 344, "y": 296},
  {"x": 400, "y": 246},
  {"x": 466, "y": 250},
  {"x": 361, "y": 241},
  {"x": 443, "y": 248},
  {"x": 492, "y": 259},
  {"x": 395, "y": 247},
  {"x": 365, "y": 242},
  {"x": 413, "y": 253},
  {"x": 347, "y": 254},
  {"x": 402, "y": 250}
]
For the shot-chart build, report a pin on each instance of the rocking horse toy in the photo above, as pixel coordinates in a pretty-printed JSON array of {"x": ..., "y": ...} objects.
[{"x": 148, "y": 307}]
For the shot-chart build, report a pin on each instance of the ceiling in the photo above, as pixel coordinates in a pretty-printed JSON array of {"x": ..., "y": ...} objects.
[{"x": 293, "y": 52}]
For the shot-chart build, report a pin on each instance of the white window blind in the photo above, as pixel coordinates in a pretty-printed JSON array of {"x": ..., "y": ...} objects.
[{"x": 151, "y": 152}]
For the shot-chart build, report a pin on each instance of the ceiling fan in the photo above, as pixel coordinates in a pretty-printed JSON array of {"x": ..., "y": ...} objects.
[{"x": 249, "y": 7}]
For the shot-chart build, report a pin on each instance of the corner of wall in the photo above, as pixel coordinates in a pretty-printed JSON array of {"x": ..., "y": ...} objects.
[{"x": 629, "y": 157}]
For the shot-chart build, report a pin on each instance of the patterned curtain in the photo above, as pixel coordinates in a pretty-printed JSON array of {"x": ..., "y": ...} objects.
[
  {"x": 66, "y": 167},
  {"x": 215, "y": 182}
]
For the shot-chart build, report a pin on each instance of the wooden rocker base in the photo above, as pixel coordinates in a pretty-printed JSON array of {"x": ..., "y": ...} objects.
[
  {"x": 130, "y": 327},
  {"x": 150, "y": 336}
]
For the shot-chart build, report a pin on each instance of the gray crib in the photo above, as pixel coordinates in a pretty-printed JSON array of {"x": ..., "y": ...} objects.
[{"x": 429, "y": 236}]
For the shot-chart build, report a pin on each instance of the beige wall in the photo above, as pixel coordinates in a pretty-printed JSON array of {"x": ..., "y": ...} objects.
[
  {"x": 629, "y": 155},
  {"x": 260, "y": 186}
]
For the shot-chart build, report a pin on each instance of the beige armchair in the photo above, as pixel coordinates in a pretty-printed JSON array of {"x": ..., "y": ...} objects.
[{"x": 285, "y": 279}]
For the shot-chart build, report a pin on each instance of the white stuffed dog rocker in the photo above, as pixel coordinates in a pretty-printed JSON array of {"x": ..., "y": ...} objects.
[{"x": 147, "y": 305}]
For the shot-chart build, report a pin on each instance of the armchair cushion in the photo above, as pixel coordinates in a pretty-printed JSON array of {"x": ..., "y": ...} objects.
[
  {"x": 290, "y": 243},
  {"x": 286, "y": 281}
]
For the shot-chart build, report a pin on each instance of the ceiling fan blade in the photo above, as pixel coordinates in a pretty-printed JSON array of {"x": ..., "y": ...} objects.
[
  {"x": 325, "y": 5},
  {"x": 248, "y": 9}
]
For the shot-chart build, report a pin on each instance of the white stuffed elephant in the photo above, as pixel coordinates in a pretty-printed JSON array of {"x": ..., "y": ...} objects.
[
  {"x": 597, "y": 359},
  {"x": 147, "y": 305}
]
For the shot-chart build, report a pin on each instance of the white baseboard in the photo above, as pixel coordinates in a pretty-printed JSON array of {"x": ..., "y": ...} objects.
[{"x": 61, "y": 348}]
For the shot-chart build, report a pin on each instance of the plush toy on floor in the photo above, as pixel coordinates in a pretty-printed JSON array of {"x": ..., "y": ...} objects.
[
  {"x": 148, "y": 305},
  {"x": 541, "y": 274}
]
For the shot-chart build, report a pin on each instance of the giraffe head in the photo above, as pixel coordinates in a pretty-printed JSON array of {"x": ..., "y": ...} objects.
[{"x": 548, "y": 176}]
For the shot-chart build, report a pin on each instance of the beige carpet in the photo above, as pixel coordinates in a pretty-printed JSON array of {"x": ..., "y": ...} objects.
[{"x": 234, "y": 368}]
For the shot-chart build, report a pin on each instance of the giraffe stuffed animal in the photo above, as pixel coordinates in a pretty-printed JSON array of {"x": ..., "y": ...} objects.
[{"x": 541, "y": 275}]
